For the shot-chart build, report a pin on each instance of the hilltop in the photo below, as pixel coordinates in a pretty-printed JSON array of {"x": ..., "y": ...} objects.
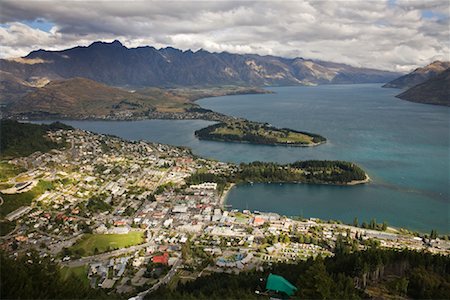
[{"x": 82, "y": 98}]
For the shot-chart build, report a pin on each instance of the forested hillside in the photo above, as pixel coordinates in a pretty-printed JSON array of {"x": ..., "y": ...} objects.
[
  {"x": 22, "y": 139},
  {"x": 35, "y": 277},
  {"x": 313, "y": 171}
]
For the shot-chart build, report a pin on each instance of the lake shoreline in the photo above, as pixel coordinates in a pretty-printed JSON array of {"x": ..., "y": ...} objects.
[
  {"x": 364, "y": 181},
  {"x": 223, "y": 197},
  {"x": 260, "y": 144},
  {"x": 407, "y": 189}
]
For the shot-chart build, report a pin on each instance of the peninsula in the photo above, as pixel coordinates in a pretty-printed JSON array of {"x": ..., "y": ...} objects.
[
  {"x": 311, "y": 171},
  {"x": 245, "y": 131}
]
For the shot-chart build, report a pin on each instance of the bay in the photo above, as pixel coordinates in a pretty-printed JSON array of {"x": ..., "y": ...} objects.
[{"x": 404, "y": 147}]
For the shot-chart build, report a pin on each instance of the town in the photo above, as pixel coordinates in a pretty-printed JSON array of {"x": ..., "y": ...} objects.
[{"x": 124, "y": 217}]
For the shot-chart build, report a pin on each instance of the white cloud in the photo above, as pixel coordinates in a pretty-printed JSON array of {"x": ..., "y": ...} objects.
[{"x": 370, "y": 33}]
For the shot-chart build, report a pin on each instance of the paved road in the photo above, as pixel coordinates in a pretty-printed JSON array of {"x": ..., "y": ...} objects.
[
  {"x": 166, "y": 279},
  {"x": 12, "y": 233},
  {"x": 94, "y": 258}
]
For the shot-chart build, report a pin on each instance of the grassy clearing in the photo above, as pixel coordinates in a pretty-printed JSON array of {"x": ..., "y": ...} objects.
[
  {"x": 12, "y": 202},
  {"x": 23, "y": 178},
  {"x": 242, "y": 129},
  {"x": 296, "y": 138},
  {"x": 174, "y": 281},
  {"x": 106, "y": 242},
  {"x": 228, "y": 130},
  {"x": 4, "y": 186},
  {"x": 8, "y": 170},
  {"x": 80, "y": 273}
]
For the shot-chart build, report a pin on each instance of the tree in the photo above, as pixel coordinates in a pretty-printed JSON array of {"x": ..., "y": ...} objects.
[
  {"x": 186, "y": 251},
  {"x": 286, "y": 239},
  {"x": 34, "y": 277},
  {"x": 433, "y": 234},
  {"x": 316, "y": 282},
  {"x": 373, "y": 224},
  {"x": 355, "y": 222}
]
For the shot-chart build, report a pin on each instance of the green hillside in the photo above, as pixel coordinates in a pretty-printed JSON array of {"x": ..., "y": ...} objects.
[{"x": 22, "y": 139}]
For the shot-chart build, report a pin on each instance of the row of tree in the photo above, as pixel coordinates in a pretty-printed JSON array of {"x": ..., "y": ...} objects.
[{"x": 371, "y": 225}]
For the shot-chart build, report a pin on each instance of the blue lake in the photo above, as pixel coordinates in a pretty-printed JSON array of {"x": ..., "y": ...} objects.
[{"x": 403, "y": 146}]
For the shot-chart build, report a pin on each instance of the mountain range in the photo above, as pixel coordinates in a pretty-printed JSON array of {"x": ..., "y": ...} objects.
[
  {"x": 435, "y": 90},
  {"x": 419, "y": 75},
  {"x": 114, "y": 64},
  {"x": 428, "y": 85}
]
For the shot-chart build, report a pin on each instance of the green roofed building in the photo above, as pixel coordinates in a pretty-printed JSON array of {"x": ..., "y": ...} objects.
[{"x": 278, "y": 284}]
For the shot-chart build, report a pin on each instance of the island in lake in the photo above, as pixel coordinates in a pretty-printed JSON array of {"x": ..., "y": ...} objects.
[{"x": 245, "y": 131}]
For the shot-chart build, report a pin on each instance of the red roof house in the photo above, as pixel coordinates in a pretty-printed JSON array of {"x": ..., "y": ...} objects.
[{"x": 161, "y": 259}]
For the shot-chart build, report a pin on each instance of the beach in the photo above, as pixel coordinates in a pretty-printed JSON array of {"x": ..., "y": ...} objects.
[{"x": 224, "y": 195}]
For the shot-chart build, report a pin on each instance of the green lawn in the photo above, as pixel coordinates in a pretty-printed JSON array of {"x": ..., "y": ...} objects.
[
  {"x": 228, "y": 130},
  {"x": 12, "y": 202},
  {"x": 80, "y": 273},
  {"x": 8, "y": 170},
  {"x": 296, "y": 138},
  {"x": 106, "y": 242},
  {"x": 239, "y": 129}
]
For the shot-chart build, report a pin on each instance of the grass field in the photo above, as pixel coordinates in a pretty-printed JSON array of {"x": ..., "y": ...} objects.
[
  {"x": 279, "y": 135},
  {"x": 8, "y": 170},
  {"x": 106, "y": 242},
  {"x": 79, "y": 273},
  {"x": 12, "y": 202}
]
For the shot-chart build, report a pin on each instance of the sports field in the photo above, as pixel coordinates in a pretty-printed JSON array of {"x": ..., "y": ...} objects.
[{"x": 106, "y": 242}]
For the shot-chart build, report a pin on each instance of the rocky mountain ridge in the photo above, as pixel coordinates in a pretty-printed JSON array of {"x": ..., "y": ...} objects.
[
  {"x": 435, "y": 90},
  {"x": 419, "y": 75},
  {"x": 114, "y": 64}
]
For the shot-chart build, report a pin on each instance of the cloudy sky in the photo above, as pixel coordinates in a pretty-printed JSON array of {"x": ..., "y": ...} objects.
[{"x": 386, "y": 34}]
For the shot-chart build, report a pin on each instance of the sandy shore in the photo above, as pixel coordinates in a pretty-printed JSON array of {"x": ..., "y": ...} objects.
[
  {"x": 224, "y": 195},
  {"x": 355, "y": 182}
]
